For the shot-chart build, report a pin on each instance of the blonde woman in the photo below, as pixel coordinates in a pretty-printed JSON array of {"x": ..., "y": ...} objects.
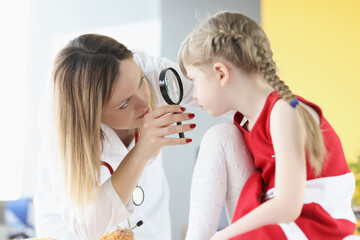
[
  {"x": 103, "y": 96},
  {"x": 302, "y": 186}
]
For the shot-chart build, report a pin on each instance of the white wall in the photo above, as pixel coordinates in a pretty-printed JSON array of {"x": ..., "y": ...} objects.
[{"x": 13, "y": 78}]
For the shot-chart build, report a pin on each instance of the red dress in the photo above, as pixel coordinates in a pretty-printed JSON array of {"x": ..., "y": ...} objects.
[{"x": 326, "y": 213}]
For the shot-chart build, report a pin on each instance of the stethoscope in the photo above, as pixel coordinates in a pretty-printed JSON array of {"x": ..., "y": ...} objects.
[{"x": 138, "y": 195}]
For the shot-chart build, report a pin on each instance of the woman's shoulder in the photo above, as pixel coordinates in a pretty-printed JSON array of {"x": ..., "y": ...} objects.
[
  {"x": 146, "y": 62},
  {"x": 149, "y": 63}
]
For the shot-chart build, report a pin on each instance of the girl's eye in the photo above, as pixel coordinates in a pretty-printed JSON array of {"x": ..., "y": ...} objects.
[{"x": 125, "y": 104}]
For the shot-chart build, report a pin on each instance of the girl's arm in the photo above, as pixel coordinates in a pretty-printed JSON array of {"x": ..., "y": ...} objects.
[{"x": 288, "y": 138}]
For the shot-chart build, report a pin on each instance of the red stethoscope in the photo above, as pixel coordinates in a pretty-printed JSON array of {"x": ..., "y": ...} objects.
[{"x": 138, "y": 195}]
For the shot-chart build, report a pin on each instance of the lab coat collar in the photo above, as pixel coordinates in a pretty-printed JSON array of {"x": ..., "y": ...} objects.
[{"x": 112, "y": 143}]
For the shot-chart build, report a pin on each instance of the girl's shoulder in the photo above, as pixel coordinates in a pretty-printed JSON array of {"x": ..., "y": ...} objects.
[
  {"x": 283, "y": 117},
  {"x": 282, "y": 109}
]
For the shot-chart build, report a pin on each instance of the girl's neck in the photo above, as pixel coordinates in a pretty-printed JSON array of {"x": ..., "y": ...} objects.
[{"x": 254, "y": 92}]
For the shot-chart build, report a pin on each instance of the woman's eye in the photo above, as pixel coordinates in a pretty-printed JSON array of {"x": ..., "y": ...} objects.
[
  {"x": 125, "y": 104},
  {"x": 142, "y": 80}
]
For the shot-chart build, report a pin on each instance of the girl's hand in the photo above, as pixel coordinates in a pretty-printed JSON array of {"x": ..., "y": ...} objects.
[{"x": 157, "y": 125}]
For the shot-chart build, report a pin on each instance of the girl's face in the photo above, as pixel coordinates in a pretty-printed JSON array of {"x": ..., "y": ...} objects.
[
  {"x": 130, "y": 99},
  {"x": 207, "y": 90}
]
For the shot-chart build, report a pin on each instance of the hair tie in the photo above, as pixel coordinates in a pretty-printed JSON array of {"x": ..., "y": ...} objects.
[{"x": 294, "y": 102}]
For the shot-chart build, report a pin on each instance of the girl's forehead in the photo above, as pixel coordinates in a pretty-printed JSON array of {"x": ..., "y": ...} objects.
[
  {"x": 198, "y": 71},
  {"x": 192, "y": 70}
]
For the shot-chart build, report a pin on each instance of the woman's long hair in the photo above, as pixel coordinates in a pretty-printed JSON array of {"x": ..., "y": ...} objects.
[
  {"x": 83, "y": 77},
  {"x": 241, "y": 40}
]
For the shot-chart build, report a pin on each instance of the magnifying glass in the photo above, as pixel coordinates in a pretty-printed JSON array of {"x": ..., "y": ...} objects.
[{"x": 171, "y": 88}]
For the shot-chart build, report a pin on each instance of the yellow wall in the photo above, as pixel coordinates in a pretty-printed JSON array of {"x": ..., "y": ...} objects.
[{"x": 316, "y": 45}]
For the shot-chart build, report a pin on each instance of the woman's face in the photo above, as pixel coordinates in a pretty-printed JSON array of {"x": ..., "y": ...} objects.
[{"x": 130, "y": 99}]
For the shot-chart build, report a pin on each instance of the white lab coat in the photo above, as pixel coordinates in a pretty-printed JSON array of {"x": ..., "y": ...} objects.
[{"x": 56, "y": 217}]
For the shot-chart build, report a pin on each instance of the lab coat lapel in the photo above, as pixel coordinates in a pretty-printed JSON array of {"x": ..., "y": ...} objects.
[{"x": 112, "y": 142}]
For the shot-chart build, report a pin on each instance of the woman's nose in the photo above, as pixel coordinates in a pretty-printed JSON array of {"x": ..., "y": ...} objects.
[
  {"x": 194, "y": 95},
  {"x": 142, "y": 100}
]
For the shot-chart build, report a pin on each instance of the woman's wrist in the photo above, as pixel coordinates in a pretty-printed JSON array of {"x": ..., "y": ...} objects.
[{"x": 138, "y": 155}]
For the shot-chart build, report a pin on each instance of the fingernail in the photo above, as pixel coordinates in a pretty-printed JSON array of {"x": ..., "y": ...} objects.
[
  {"x": 192, "y": 125},
  {"x": 191, "y": 115},
  {"x": 183, "y": 109},
  {"x": 188, "y": 140}
]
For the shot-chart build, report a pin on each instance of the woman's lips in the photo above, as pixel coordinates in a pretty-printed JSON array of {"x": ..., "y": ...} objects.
[{"x": 147, "y": 111}]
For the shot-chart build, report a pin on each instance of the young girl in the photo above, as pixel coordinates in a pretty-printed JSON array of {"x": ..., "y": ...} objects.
[
  {"x": 107, "y": 142},
  {"x": 302, "y": 185}
]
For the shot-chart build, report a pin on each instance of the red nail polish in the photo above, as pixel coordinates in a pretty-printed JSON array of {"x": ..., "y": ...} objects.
[
  {"x": 192, "y": 125},
  {"x": 183, "y": 109},
  {"x": 191, "y": 115},
  {"x": 188, "y": 140}
]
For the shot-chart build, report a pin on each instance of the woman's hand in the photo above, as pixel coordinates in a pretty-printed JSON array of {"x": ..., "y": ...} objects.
[{"x": 157, "y": 125}]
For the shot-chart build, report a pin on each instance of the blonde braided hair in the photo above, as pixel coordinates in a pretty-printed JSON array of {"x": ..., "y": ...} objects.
[{"x": 241, "y": 40}]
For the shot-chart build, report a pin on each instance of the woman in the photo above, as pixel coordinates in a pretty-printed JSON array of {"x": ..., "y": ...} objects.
[{"x": 105, "y": 95}]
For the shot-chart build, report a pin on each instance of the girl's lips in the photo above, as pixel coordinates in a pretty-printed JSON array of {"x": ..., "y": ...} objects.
[{"x": 147, "y": 111}]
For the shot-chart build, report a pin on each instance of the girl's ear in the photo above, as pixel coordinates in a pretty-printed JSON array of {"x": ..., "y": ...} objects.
[{"x": 222, "y": 73}]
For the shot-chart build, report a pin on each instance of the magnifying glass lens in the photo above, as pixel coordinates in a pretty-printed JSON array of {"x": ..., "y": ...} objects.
[{"x": 172, "y": 86}]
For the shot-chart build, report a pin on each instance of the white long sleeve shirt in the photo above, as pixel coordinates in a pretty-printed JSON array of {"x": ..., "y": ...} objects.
[{"x": 57, "y": 218}]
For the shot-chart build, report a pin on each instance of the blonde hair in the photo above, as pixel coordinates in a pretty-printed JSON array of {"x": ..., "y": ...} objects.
[
  {"x": 242, "y": 41},
  {"x": 83, "y": 76}
]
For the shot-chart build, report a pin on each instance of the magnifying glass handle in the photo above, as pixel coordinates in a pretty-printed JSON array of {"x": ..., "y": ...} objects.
[{"x": 181, "y": 135}]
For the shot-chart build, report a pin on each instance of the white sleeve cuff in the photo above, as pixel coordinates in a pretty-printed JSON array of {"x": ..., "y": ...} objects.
[
  {"x": 101, "y": 216},
  {"x": 119, "y": 210}
]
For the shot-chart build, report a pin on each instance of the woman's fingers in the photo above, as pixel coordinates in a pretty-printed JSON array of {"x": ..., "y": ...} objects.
[
  {"x": 173, "y": 118},
  {"x": 158, "y": 124},
  {"x": 175, "y": 141},
  {"x": 161, "y": 111},
  {"x": 166, "y": 116},
  {"x": 165, "y": 131}
]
